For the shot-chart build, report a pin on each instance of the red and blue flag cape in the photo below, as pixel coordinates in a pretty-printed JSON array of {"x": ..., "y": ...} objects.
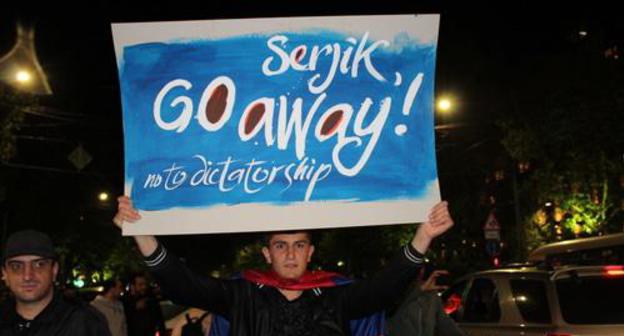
[{"x": 373, "y": 325}]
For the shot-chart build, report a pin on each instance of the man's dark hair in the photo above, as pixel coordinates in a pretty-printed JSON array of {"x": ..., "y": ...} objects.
[
  {"x": 266, "y": 237},
  {"x": 137, "y": 275},
  {"x": 108, "y": 285}
]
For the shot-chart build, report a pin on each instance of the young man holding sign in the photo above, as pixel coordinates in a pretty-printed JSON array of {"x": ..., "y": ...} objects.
[{"x": 288, "y": 300}]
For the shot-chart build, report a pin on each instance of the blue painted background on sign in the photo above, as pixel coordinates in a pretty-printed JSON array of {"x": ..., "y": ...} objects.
[{"x": 400, "y": 167}]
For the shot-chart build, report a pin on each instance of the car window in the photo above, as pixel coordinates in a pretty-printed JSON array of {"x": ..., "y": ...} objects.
[
  {"x": 482, "y": 302},
  {"x": 531, "y": 300},
  {"x": 452, "y": 299},
  {"x": 591, "y": 300}
]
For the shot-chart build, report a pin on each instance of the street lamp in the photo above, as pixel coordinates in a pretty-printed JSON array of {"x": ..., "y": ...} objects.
[
  {"x": 23, "y": 76},
  {"x": 20, "y": 67},
  {"x": 444, "y": 105},
  {"x": 103, "y": 196}
]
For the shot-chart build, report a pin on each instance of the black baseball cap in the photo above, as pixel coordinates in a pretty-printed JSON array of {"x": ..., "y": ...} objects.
[{"x": 29, "y": 242}]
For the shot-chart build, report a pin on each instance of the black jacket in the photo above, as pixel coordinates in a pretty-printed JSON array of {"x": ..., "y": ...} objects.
[
  {"x": 145, "y": 321},
  {"x": 60, "y": 318},
  {"x": 263, "y": 311}
]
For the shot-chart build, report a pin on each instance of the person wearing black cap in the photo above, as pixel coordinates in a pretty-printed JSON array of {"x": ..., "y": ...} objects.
[{"x": 29, "y": 268}]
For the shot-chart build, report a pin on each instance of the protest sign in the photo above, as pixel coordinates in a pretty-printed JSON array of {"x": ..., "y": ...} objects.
[{"x": 278, "y": 124}]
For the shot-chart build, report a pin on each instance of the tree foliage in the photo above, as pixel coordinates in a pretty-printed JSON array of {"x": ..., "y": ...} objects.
[
  {"x": 572, "y": 140},
  {"x": 12, "y": 104}
]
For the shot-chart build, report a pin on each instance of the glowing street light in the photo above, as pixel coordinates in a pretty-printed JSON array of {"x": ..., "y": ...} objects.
[
  {"x": 103, "y": 196},
  {"x": 20, "y": 68},
  {"x": 444, "y": 105},
  {"x": 23, "y": 76}
]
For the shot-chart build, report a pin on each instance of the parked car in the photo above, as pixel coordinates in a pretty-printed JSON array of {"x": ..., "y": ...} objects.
[{"x": 542, "y": 299}]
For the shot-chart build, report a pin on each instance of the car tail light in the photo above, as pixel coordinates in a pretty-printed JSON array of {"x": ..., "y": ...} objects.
[{"x": 613, "y": 271}]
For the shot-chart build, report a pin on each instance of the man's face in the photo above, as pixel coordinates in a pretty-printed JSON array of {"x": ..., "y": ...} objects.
[
  {"x": 117, "y": 289},
  {"x": 30, "y": 277},
  {"x": 289, "y": 254},
  {"x": 140, "y": 286}
]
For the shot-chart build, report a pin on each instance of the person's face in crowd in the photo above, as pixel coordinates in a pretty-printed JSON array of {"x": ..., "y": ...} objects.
[
  {"x": 289, "y": 254},
  {"x": 117, "y": 289},
  {"x": 140, "y": 286},
  {"x": 30, "y": 277}
]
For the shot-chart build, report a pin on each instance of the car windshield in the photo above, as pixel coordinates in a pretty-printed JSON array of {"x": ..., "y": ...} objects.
[{"x": 592, "y": 300}]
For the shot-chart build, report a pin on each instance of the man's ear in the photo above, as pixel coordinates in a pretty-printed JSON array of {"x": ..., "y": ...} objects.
[
  {"x": 310, "y": 253},
  {"x": 267, "y": 255}
]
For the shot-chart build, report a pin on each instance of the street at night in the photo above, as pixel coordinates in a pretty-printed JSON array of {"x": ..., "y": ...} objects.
[{"x": 526, "y": 121}]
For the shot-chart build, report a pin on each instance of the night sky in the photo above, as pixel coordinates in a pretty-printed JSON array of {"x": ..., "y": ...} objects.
[{"x": 486, "y": 53}]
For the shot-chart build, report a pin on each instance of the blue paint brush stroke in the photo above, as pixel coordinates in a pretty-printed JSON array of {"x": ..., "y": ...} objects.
[{"x": 401, "y": 167}]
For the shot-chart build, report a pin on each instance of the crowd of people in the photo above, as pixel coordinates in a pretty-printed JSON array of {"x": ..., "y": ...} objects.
[{"x": 285, "y": 299}]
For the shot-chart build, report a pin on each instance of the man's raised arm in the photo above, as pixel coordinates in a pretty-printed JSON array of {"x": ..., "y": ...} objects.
[
  {"x": 367, "y": 296},
  {"x": 127, "y": 213},
  {"x": 180, "y": 283},
  {"x": 439, "y": 221}
]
